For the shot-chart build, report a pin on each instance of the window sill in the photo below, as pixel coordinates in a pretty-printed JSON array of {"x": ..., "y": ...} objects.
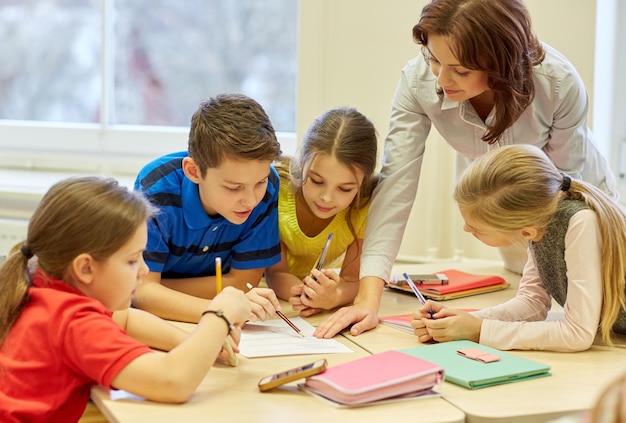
[{"x": 21, "y": 190}]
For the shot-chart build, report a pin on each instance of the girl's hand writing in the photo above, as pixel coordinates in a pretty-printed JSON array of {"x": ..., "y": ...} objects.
[
  {"x": 320, "y": 293},
  {"x": 419, "y": 328},
  {"x": 451, "y": 325},
  {"x": 296, "y": 302}
]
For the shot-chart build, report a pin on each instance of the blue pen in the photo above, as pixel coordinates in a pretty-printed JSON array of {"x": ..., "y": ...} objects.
[{"x": 417, "y": 292}]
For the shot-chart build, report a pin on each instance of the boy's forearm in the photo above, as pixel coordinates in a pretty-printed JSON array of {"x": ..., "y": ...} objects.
[
  {"x": 168, "y": 303},
  {"x": 153, "y": 331}
]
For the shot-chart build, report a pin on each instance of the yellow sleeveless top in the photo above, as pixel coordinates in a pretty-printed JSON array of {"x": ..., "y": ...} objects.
[{"x": 302, "y": 250}]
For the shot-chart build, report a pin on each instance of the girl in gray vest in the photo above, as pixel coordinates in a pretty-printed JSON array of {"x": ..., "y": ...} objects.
[{"x": 576, "y": 237}]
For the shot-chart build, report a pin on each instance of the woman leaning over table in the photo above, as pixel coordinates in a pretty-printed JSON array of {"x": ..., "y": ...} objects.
[{"x": 483, "y": 81}]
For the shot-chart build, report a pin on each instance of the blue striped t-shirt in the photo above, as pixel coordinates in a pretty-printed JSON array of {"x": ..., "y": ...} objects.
[{"x": 183, "y": 241}]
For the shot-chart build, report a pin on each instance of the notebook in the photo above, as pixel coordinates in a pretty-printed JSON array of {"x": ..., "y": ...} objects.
[
  {"x": 475, "y": 374},
  {"x": 375, "y": 377},
  {"x": 399, "y": 321},
  {"x": 403, "y": 321},
  {"x": 460, "y": 284}
]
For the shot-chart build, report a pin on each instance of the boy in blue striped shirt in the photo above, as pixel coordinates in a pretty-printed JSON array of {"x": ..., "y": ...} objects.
[{"x": 218, "y": 199}]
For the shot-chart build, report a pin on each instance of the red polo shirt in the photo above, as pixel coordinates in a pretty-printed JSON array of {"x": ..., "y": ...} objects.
[{"x": 62, "y": 344}]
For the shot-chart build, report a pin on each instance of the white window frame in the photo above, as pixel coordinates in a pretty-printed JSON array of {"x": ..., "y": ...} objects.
[
  {"x": 609, "y": 125},
  {"x": 112, "y": 150}
]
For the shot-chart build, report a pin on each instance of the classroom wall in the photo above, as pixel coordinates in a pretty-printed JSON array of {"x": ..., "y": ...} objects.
[{"x": 351, "y": 53}]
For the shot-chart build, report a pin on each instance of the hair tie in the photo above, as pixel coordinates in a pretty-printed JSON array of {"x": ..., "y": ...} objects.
[
  {"x": 567, "y": 181},
  {"x": 26, "y": 251}
]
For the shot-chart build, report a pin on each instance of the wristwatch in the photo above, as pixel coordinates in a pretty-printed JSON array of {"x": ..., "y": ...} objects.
[{"x": 219, "y": 313}]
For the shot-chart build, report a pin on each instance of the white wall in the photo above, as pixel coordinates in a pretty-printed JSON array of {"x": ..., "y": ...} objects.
[{"x": 351, "y": 53}]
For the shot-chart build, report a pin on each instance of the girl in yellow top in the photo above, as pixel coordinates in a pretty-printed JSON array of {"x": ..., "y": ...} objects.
[{"x": 325, "y": 189}]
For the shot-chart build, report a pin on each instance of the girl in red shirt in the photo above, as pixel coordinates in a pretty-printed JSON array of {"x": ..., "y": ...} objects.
[{"x": 65, "y": 321}]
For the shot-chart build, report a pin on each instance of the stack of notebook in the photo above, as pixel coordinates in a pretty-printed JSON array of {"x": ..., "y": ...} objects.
[{"x": 459, "y": 284}]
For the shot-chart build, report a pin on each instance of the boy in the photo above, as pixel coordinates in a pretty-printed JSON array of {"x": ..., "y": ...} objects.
[{"x": 218, "y": 199}]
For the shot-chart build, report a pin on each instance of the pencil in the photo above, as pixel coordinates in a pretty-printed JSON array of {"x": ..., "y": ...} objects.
[
  {"x": 232, "y": 357},
  {"x": 218, "y": 275},
  {"x": 282, "y": 316}
]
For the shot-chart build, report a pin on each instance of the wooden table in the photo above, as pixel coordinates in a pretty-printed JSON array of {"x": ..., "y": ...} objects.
[{"x": 230, "y": 394}]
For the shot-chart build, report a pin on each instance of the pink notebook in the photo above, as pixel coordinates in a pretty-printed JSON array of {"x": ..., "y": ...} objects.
[{"x": 375, "y": 377}]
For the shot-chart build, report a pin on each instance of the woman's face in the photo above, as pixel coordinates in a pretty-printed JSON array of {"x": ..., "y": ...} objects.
[{"x": 458, "y": 83}]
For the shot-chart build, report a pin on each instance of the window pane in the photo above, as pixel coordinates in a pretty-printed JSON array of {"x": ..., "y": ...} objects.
[
  {"x": 170, "y": 54},
  {"x": 167, "y": 55},
  {"x": 50, "y": 67}
]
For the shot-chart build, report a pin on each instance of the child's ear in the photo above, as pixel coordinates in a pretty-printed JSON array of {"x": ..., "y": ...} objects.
[
  {"x": 529, "y": 233},
  {"x": 83, "y": 268},
  {"x": 191, "y": 170}
]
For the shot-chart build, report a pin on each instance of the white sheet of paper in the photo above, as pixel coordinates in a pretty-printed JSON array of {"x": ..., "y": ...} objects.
[{"x": 275, "y": 337}]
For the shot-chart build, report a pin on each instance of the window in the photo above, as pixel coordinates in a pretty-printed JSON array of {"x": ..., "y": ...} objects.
[
  {"x": 106, "y": 84},
  {"x": 610, "y": 87}
]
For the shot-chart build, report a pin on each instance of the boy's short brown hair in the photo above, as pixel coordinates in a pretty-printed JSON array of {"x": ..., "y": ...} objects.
[{"x": 234, "y": 126}]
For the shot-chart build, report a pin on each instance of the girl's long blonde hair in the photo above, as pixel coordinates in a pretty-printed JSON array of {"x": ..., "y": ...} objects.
[{"x": 518, "y": 186}]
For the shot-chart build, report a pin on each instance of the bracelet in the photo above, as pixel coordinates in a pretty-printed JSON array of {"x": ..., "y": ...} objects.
[{"x": 219, "y": 313}]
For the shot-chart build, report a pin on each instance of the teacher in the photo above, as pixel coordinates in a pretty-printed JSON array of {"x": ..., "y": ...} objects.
[{"x": 483, "y": 81}]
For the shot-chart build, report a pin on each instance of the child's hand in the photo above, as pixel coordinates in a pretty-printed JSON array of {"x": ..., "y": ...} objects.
[
  {"x": 451, "y": 325},
  {"x": 320, "y": 293},
  {"x": 296, "y": 302},
  {"x": 233, "y": 340},
  {"x": 233, "y": 304},
  {"x": 264, "y": 303},
  {"x": 430, "y": 309},
  {"x": 419, "y": 328}
]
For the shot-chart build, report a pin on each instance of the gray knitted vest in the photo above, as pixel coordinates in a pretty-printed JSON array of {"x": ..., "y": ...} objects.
[{"x": 549, "y": 256}]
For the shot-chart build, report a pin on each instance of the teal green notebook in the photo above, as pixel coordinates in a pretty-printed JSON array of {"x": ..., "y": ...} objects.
[{"x": 474, "y": 374}]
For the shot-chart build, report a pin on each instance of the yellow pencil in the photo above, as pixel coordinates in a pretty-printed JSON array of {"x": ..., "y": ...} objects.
[
  {"x": 218, "y": 275},
  {"x": 232, "y": 358}
]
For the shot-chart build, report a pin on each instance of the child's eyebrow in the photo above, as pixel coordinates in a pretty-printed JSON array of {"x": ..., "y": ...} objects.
[{"x": 227, "y": 181}]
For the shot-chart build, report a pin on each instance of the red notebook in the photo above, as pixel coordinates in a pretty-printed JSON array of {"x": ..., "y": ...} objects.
[
  {"x": 459, "y": 284},
  {"x": 379, "y": 376}
]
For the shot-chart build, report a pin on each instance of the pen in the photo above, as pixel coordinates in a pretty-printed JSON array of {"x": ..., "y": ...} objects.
[
  {"x": 320, "y": 261},
  {"x": 417, "y": 292},
  {"x": 281, "y": 315},
  {"x": 218, "y": 274}
]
